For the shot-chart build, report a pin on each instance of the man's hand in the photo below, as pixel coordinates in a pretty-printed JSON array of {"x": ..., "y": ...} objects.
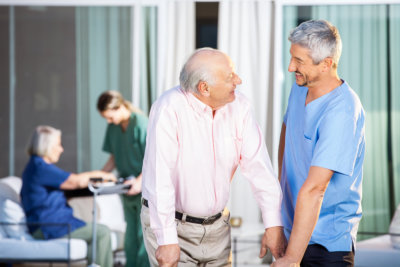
[
  {"x": 274, "y": 240},
  {"x": 168, "y": 255},
  {"x": 284, "y": 262}
]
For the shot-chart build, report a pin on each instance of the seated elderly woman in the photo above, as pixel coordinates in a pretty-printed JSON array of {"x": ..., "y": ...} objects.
[{"x": 44, "y": 201}]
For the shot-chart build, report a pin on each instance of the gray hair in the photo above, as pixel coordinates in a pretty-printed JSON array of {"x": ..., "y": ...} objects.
[
  {"x": 320, "y": 37},
  {"x": 43, "y": 139},
  {"x": 192, "y": 73}
]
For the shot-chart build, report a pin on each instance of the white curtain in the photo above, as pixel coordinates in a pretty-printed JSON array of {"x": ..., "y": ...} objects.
[
  {"x": 244, "y": 33},
  {"x": 173, "y": 41},
  {"x": 176, "y": 40},
  {"x": 103, "y": 63}
]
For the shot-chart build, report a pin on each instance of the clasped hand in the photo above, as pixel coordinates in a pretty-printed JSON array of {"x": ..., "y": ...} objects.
[
  {"x": 168, "y": 255},
  {"x": 274, "y": 240}
]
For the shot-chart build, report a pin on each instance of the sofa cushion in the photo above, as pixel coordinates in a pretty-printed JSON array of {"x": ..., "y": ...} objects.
[
  {"x": 109, "y": 212},
  {"x": 2, "y": 233},
  {"x": 12, "y": 212},
  {"x": 83, "y": 208},
  {"x": 10, "y": 188},
  {"x": 55, "y": 249}
]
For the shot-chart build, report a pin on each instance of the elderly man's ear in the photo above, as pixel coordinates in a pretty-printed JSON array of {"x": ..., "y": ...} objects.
[{"x": 203, "y": 89}]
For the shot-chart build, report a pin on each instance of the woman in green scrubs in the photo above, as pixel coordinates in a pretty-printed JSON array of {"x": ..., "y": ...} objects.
[{"x": 125, "y": 140}]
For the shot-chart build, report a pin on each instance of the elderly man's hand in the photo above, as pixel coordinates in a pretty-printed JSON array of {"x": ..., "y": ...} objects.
[
  {"x": 168, "y": 255},
  {"x": 274, "y": 240}
]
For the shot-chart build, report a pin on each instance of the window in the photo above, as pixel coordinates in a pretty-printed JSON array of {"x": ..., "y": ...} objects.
[
  {"x": 61, "y": 58},
  {"x": 206, "y": 24}
]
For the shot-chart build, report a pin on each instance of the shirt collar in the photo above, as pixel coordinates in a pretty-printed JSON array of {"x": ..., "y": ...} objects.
[{"x": 196, "y": 104}]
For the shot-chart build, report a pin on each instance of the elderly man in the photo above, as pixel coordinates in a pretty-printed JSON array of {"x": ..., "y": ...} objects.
[
  {"x": 321, "y": 153},
  {"x": 198, "y": 134}
]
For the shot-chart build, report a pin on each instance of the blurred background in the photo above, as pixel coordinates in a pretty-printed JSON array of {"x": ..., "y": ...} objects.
[{"x": 57, "y": 57}]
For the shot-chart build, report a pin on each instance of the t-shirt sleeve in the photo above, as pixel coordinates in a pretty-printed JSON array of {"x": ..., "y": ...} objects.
[
  {"x": 52, "y": 176},
  {"x": 338, "y": 142}
]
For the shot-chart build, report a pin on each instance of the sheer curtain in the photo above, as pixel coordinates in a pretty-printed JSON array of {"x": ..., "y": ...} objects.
[
  {"x": 148, "y": 59},
  {"x": 164, "y": 37},
  {"x": 103, "y": 63},
  {"x": 176, "y": 40},
  {"x": 137, "y": 50},
  {"x": 245, "y": 35},
  {"x": 394, "y": 20}
]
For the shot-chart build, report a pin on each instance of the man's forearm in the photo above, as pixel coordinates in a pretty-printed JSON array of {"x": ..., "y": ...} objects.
[
  {"x": 308, "y": 206},
  {"x": 306, "y": 216}
]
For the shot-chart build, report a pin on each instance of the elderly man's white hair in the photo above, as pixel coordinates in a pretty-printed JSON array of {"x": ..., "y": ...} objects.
[{"x": 195, "y": 71}]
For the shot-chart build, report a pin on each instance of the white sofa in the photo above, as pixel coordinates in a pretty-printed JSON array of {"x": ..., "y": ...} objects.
[
  {"x": 377, "y": 251},
  {"x": 17, "y": 245},
  {"x": 382, "y": 250}
]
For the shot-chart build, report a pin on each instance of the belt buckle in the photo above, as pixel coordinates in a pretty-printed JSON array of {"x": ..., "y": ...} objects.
[{"x": 209, "y": 220}]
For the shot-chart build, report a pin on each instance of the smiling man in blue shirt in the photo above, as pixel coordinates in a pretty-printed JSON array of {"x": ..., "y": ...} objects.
[{"x": 321, "y": 153}]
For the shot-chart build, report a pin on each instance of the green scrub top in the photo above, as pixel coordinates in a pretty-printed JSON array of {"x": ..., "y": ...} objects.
[{"x": 127, "y": 146}]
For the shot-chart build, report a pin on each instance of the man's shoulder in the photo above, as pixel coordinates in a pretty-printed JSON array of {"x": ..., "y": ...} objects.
[
  {"x": 171, "y": 97},
  {"x": 348, "y": 99},
  {"x": 350, "y": 95},
  {"x": 344, "y": 103},
  {"x": 172, "y": 94}
]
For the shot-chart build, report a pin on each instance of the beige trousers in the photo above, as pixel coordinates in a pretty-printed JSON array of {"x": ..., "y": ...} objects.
[{"x": 201, "y": 245}]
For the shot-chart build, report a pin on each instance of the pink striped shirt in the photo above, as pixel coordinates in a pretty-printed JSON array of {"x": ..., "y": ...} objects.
[{"x": 191, "y": 157}]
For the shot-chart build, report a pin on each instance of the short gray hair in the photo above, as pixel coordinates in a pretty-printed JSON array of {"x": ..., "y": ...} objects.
[
  {"x": 42, "y": 140},
  {"x": 192, "y": 74},
  {"x": 320, "y": 37}
]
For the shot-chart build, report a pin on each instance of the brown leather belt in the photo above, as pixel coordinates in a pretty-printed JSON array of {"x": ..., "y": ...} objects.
[{"x": 191, "y": 219}]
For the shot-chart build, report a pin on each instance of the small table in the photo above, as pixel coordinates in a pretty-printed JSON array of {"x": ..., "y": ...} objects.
[
  {"x": 102, "y": 189},
  {"x": 246, "y": 230}
]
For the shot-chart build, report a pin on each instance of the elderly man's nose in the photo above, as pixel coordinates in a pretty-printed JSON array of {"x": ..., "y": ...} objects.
[{"x": 237, "y": 79}]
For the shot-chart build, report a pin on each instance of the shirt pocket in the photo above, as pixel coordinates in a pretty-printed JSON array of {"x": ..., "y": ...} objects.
[{"x": 307, "y": 147}]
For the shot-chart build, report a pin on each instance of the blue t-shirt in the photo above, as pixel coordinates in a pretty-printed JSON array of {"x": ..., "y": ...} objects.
[
  {"x": 327, "y": 132},
  {"x": 42, "y": 199}
]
